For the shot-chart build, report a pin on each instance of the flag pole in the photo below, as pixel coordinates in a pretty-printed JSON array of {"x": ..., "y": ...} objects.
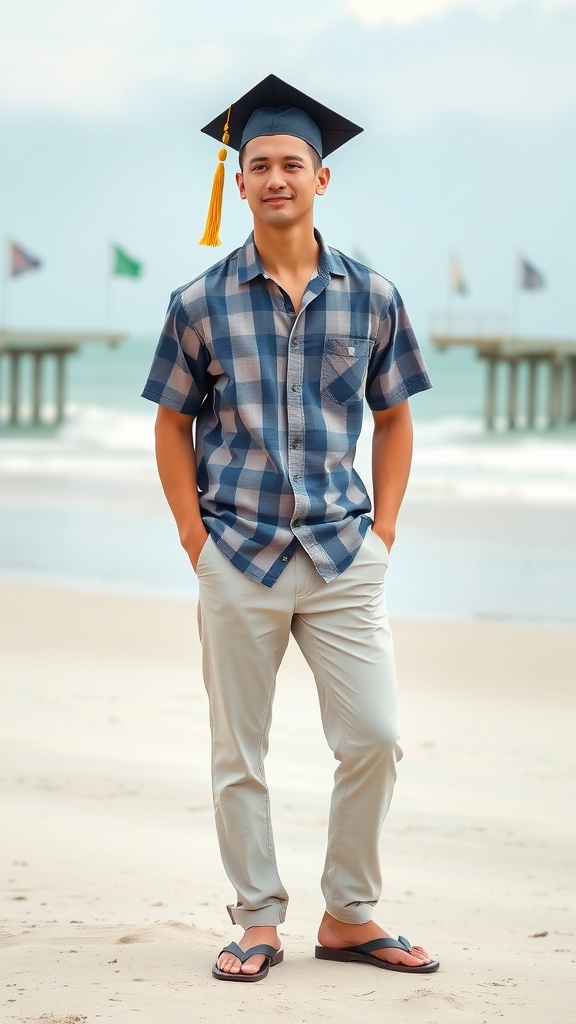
[
  {"x": 108, "y": 288},
  {"x": 515, "y": 292},
  {"x": 450, "y": 293},
  {"x": 3, "y": 298},
  {"x": 4, "y": 290}
]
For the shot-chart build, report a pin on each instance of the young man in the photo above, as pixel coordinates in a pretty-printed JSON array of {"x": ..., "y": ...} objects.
[{"x": 271, "y": 355}]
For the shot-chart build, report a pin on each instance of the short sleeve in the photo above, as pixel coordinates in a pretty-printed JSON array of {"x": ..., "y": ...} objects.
[
  {"x": 396, "y": 369},
  {"x": 178, "y": 375}
]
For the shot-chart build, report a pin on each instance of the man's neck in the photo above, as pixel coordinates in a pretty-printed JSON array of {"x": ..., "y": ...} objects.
[{"x": 292, "y": 252}]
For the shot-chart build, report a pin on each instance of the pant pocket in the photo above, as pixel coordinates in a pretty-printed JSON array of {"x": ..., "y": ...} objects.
[{"x": 379, "y": 543}]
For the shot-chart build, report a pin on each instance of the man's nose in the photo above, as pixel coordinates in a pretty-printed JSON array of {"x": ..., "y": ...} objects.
[{"x": 276, "y": 179}]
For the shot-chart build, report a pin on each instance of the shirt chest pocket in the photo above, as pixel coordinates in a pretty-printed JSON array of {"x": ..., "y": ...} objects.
[{"x": 344, "y": 369}]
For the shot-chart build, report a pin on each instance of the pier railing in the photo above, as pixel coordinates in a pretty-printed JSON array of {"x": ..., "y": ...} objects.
[
  {"x": 505, "y": 354},
  {"x": 36, "y": 348}
]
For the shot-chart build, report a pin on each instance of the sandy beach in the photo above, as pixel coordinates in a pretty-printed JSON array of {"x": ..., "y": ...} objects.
[{"x": 112, "y": 891}]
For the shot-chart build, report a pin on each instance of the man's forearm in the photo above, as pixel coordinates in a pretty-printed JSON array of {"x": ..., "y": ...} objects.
[
  {"x": 176, "y": 463},
  {"x": 391, "y": 461}
]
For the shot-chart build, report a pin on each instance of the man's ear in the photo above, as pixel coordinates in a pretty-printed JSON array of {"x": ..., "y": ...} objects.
[
  {"x": 322, "y": 180},
  {"x": 240, "y": 183}
]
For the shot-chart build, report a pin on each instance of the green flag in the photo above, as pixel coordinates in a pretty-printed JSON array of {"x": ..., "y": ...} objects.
[{"x": 124, "y": 264}]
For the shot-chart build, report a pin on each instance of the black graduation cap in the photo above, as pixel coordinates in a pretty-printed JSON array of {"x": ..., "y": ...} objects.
[{"x": 272, "y": 107}]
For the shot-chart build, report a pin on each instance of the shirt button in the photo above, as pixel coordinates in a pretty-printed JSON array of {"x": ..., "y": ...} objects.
[
  {"x": 296, "y": 387},
  {"x": 284, "y": 558},
  {"x": 295, "y": 341}
]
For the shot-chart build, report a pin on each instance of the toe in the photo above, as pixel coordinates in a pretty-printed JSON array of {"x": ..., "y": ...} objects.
[
  {"x": 410, "y": 960},
  {"x": 421, "y": 953},
  {"x": 232, "y": 965},
  {"x": 251, "y": 966},
  {"x": 229, "y": 964},
  {"x": 400, "y": 956}
]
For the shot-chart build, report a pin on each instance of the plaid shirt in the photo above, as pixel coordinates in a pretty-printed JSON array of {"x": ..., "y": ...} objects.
[{"x": 278, "y": 398}]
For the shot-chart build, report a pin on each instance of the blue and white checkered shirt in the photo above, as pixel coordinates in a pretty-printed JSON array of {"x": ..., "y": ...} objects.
[{"x": 278, "y": 398}]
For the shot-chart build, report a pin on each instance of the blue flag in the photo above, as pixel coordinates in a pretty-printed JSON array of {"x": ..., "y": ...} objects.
[{"x": 530, "y": 278}]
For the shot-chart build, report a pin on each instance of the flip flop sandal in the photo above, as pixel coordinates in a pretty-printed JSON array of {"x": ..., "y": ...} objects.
[
  {"x": 363, "y": 954},
  {"x": 273, "y": 957}
]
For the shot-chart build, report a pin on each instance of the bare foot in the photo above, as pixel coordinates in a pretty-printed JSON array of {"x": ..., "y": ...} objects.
[
  {"x": 337, "y": 935},
  {"x": 254, "y": 936}
]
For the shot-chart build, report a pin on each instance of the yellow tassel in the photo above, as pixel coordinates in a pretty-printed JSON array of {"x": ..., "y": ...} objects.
[{"x": 211, "y": 234}]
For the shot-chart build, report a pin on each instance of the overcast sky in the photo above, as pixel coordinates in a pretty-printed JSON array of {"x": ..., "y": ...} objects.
[{"x": 469, "y": 110}]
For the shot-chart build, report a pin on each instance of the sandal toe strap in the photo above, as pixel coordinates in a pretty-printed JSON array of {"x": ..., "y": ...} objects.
[
  {"x": 373, "y": 944},
  {"x": 263, "y": 949}
]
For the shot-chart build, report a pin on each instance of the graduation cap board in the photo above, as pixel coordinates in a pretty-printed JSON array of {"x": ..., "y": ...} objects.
[{"x": 272, "y": 107}]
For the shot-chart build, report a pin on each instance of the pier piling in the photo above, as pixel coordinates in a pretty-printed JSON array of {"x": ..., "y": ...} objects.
[
  {"x": 489, "y": 336},
  {"x": 37, "y": 348}
]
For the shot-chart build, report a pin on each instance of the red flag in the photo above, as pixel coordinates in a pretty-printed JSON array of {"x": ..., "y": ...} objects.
[{"x": 20, "y": 261}]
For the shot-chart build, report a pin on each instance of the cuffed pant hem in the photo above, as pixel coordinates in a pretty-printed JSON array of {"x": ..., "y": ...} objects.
[
  {"x": 352, "y": 915},
  {"x": 266, "y": 916}
]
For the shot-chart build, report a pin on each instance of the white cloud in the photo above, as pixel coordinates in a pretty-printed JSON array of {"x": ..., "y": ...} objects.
[
  {"x": 406, "y": 12},
  {"x": 518, "y": 72},
  {"x": 92, "y": 57},
  {"x": 112, "y": 59},
  {"x": 457, "y": 82}
]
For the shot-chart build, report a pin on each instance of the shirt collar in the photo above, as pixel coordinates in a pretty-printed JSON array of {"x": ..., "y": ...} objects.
[{"x": 249, "y": 265}]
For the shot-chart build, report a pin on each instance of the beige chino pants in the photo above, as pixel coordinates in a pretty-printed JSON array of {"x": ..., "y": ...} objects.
[{"x": 342, "y": 630}]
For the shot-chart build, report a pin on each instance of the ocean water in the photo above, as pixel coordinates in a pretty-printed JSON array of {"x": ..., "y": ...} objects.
[{"x": 487, "y": 530}]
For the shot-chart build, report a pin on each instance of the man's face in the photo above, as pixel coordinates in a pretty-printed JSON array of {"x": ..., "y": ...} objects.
[{"x": 279, "y": 181}]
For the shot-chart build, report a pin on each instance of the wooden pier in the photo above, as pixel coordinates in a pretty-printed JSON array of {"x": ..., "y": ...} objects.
[
  {"x": 19, "y": 348},
  {"x": 545, "y": 366}
]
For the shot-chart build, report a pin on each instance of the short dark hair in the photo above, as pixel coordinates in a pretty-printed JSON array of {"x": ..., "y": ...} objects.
[{"x": 316, "y": 158}]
